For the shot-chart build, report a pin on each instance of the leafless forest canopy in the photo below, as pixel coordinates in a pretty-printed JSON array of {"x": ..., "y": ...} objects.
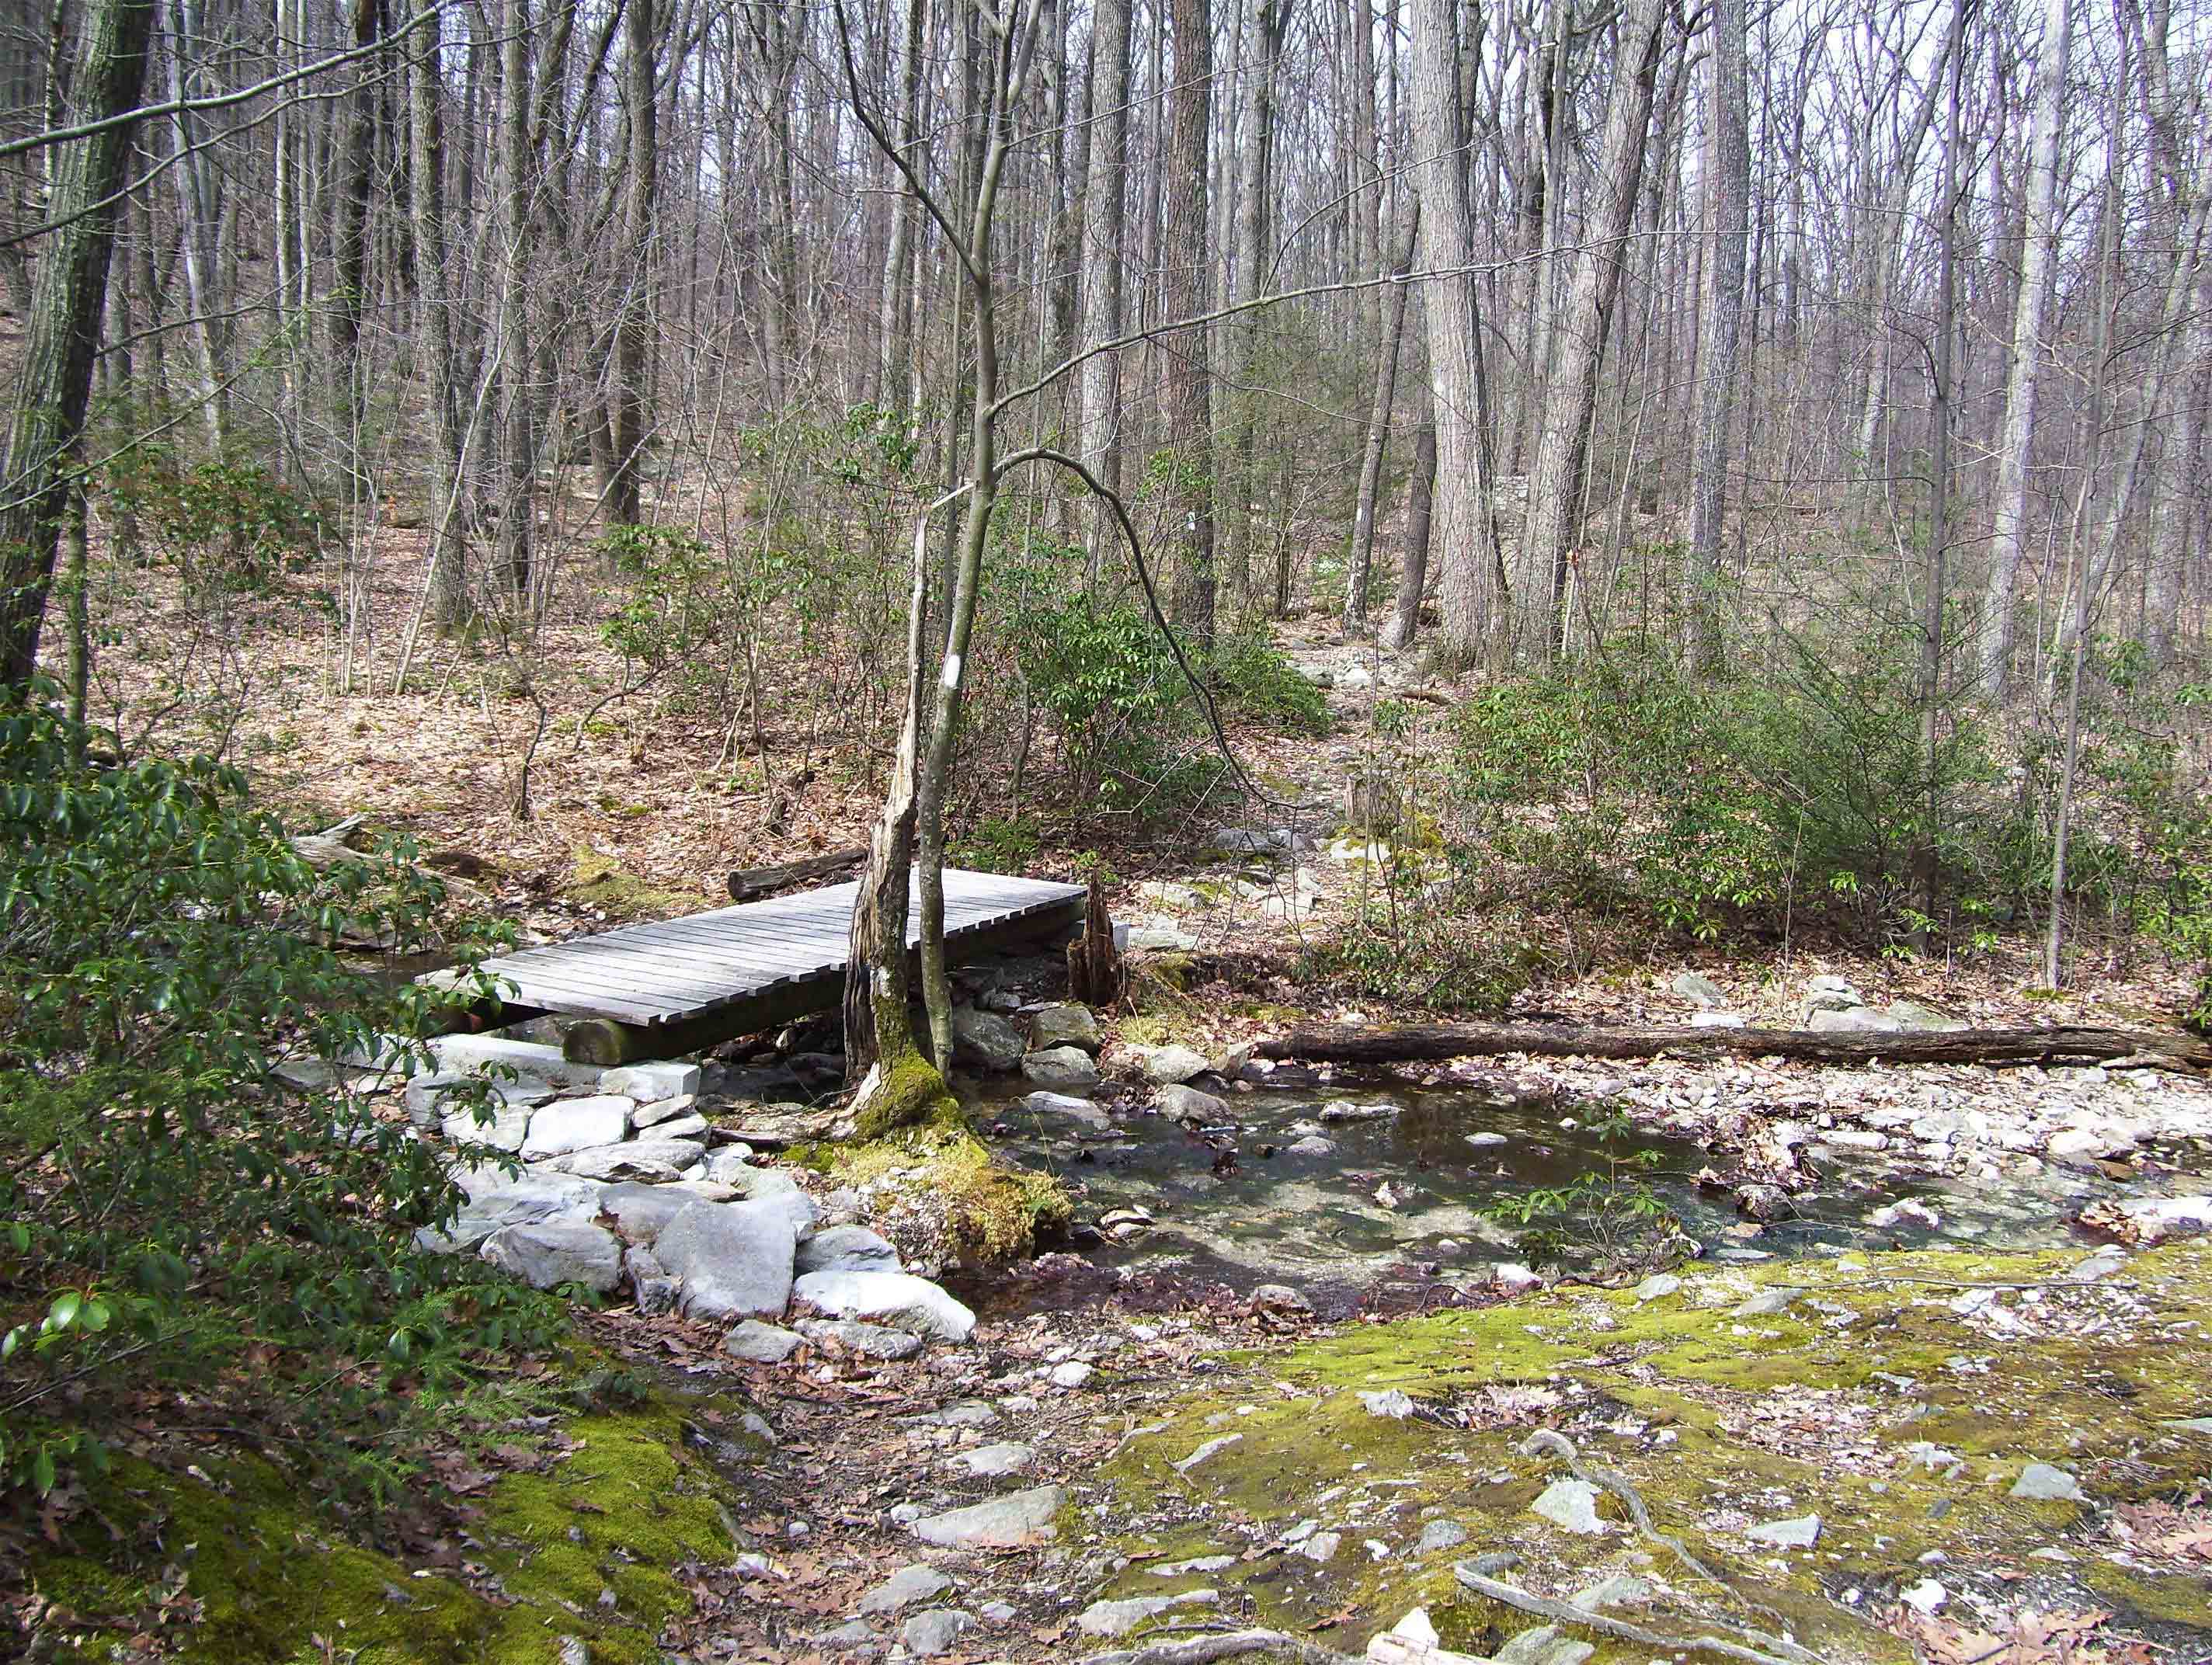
[{"x": 1691, "y": 322}]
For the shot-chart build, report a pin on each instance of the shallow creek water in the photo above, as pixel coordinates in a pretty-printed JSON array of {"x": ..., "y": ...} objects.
[{"x": 1326, "y": 1221}]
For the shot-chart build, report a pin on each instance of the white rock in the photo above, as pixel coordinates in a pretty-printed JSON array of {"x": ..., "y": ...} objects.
[
  {"x": 648, "y": 1082},
  {"x": 846, "y": 1249},
  {"x": 1322, "y": 1547},
  {"x": 1394, "y": 1403},
  {"x": 1512, "y": 1275},
  {"x": 996, "y": 1461},
  {"x": 577, "y": 1124},
  {"x": 1120, "y": 1618},
  {"x": 634, "y": 1158},
  {"x": 665, "y": 1110},
  {"x": 1207, "y": 1451},
  {"x": 734, "y": 1258},
  {"x": 936, "y": 1631},
  {"x": 763, "y": 1343},
  {"x": 1801, "y": 1533},
  {"x": 555, "y": 1252},
  {"x": 1073, "y": 1374},
  {"x": 1572, "y": 1504},
  {"x": 2039, "y": 1482},
  {"x": 1169, "y": 1066},
  {"x": 896, "y": 1298},
  {"x": 1487, "y": 1141},
  {"x": 1015, "y": 1521},
  {"x": 508, "y": 1126},
  {"x": 909, "y": 1585},
  {"x": 1926, "y": 1596}
]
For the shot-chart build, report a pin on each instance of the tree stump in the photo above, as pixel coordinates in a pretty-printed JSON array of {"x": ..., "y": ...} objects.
[{"x": 1094, "y": 964}]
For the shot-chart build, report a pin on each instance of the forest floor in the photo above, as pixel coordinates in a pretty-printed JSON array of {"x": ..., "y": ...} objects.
[{"x": 1230, "y": 1454}]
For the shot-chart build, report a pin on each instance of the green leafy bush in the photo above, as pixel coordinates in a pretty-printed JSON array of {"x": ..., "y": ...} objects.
[
  {"x": 169, "y": 1199},
  {"x": 1256, "y": 679}
]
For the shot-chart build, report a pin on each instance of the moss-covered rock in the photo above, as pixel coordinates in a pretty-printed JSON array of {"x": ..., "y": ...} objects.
[
  {"x": 232, "y": 1564},
  {"x": 943, "y": 1197},
  {"x": 599, "y": 881},
  {"x": 1719, "y": 1420}
]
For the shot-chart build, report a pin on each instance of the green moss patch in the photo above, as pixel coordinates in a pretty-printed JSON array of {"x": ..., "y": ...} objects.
[
  {"x": 230, "y": 1563},
  {"x": 1721, "y": 1420},
  {"x": 599, "y": 881}
]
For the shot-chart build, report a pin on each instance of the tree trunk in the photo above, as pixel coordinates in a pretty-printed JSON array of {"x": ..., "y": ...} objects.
[
  {"x": 1379, "y": 424},
  {"x": 1104, "y": 220},
  {"x": 1466, "y": 530},
  {"x": 628, "y": 405},
  {"x": 454, "y": 519},
  {"x": 2039, "y": 244},
  {"x": 515, "y": 228},
  {"x": 1413, "y": 576},
  {"x": 1186, "y": 403},
  {"x": 350, "y": 299},
  {"x": 1254, "y": 222},
  {"x": 1555, "y": 496},
  {"x": 62, "y": 333},
  {"x": 1727, "y": 206}
]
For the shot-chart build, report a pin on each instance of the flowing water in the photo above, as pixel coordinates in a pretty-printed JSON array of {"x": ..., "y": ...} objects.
[{"x": 1413, "y": 1188}]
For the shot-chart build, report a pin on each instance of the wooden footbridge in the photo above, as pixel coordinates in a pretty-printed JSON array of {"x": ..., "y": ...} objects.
[{"x": 677, "y": 986}]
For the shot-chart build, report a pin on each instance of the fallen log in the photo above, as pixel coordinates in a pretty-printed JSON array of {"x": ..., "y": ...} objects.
[
  {"x": 1341, "y": 1043},
  {"x": 748, "y": 883}
]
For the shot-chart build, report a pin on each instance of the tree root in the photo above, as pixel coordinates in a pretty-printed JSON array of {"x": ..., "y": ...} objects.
[
  {"x": 1566, "y": 1613},
  {"x": 1229, "y": 1644}
]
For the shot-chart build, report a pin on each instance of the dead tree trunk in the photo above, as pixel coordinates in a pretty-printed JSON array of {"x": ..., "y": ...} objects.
[{"x": 1342, "y": 1044}]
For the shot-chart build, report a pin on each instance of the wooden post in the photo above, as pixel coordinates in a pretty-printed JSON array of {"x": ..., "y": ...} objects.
[{"x": 1094, "y": 964}]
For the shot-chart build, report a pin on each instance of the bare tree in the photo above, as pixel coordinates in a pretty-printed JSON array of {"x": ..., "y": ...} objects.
[{"x": 1727, "y": 186}]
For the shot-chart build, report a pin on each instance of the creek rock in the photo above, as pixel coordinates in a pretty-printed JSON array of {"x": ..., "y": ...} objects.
[
  {"x": 918, "y": 1582},
  {"x": 1064, "y": 1024},
  {"x": 659, "y": 1110},
  {"x": 927, "y": 1635},
  {"x": 577, "y": 1124},
  {"x": 2154, "y": 1218},
  {"x": 1572, "y": 1504},
  {"x": 1699, "y": 989},
  {"x": 996, "y": 1461},
  {"x": 1313, "y": 1145},
  {"x": 865, "y": 1340},
  {"x": 1259, "y": 840},
  {"x": 2039, "y": 1482},
  {"x": 1120, "y": 1618},
  {"x": 554, "y": 1252},
  {"x": 508, "y": 1126},
  {"x": 1017, "y": 1521},
  {"x": 760, "y": 1343},
  {"x": 651, "y": 1291},
  {"x": 1919, "y": 1020},
  {"x": 1177, "y": 1100},
  {"x": 690, "y": 1124},
  {"x": 1061, "y": 1069},
  {"x": 641, "y": 1212},
  {"x": 524, "y": 1200},
  {"x": 896, "y": 1298},
  {"x": 1169, "y": 1065},
  {"x": 1079, "y": 1109},
  {"x": 634, "y": 1158},
  {"x": 1852, "y": 1020},
  {"x": 1073, "y": 1373},
  {"x": 986, "y": 1038},
  {"x": 1438, "y": 1535},
  {"x": 1395, "y": 1403},
  {"x": 648, "y": 1082},
  {"x": 1801, "y": 1533},
  {"x": 1828, "y": 993},
  {"x": 734, "y": 1258},
  {"x": 846, "y": 1249}
]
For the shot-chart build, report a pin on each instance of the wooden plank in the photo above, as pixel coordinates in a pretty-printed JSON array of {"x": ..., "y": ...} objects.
[{"x": 756, "y": 954}]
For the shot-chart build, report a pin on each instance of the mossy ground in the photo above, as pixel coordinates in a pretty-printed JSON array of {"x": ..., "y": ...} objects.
[
  {"x": 598, "y": 881},
  {"x": 1721, "y": 1422},
  {"x": 599, "y": 1548}
]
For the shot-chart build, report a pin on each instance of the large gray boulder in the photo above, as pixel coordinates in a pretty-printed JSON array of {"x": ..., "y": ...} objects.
[
  {"x": 985, "y": 1038},
  {"x": 1061, "y": 1069},
  {"x": 577, "y": 1124},
  {"x": 495, "y": 1200},
  {"x": 648, "y": 1082},
  {"x": 1169, "y": 1066},
  {"x": 896, "y": 1298},
  {"x": 555, "y": 1252},
  {"x": 640, "y": 1211},
  {"x": 1061, "y": 1104},
  {"x": 846, "y": 1249},
  {"x": 734, "y": 1258},
  {"x": 1177, "y": 1100},
  {"x": 1065, "y": 1024}
]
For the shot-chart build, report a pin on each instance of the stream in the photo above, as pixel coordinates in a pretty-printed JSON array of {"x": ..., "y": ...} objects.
[{"x": 1409, "y": 1187}]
